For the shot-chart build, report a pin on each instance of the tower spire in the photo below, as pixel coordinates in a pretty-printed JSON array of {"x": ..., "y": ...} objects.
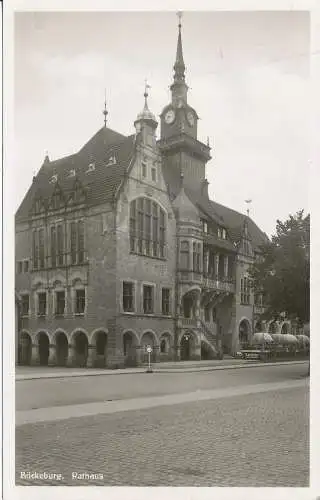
[
  {"x": 179, "y": 87},
  {"x": 105, "y": 112},
  {"x": 179, "y": 66}
]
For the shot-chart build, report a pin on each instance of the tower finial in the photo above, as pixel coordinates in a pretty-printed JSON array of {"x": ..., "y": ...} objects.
[
  {"x": 105, "y": 112},
  {"x": 248, "y": 209},
  {"x": 146, "y": 87},
  {"x": 179, "y": 14}
]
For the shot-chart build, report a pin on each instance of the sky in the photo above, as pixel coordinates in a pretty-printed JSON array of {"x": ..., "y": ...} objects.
[{"x": 248, "y": 74}]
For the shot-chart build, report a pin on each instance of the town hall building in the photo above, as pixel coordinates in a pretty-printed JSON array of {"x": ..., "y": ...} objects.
[{"x": 119, "y": 247}]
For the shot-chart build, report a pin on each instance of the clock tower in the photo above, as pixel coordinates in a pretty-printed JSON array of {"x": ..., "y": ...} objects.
[{"x": 179, "y": 121}]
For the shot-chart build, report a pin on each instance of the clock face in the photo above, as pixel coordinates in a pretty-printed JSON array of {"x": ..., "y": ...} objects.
[
  {"x": 190, "y": 118},
  {"x": 170, "y": 116}
]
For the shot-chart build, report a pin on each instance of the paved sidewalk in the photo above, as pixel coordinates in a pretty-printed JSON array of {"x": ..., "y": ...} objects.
[
  {"x": 38, "y": 372},
  {"x": 107, "y": 407}
]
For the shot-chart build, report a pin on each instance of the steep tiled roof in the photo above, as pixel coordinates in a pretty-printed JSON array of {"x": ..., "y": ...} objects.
[
  {"x": 235, "y": 222},
  {"x": 100, "y": 184}
]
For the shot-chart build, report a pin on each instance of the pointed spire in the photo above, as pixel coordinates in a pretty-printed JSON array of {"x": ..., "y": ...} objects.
[
  {"x": 179, "y": 66},
  {"x": 146, "y": 114},
  {"x": 46, "y": 158},
  {"x": 105, "y": 112}
]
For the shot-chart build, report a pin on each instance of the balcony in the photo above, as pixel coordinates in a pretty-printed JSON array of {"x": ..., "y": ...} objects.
[
  {"x": 220, "y": 283},
  {"x": 189, "y": 322},
  {"x": 258, "y": 309}
]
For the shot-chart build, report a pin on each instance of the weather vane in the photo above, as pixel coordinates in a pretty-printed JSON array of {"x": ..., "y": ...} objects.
[
  {"x": 248, "y": 202},
  {"x": 179, "y": 14}
]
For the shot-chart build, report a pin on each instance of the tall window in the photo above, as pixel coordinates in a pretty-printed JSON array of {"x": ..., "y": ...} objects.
[
  {"x": 184, "y": 255},
  {"x": 153, "y": 174},
  {"x": 60, "y": 245},
  {"x": 132, "y": 226},
  {"x": 147, "y": 228},
  {"x": 42, "y": 303},
  {"x": 35, "y": 251},
  {"x": 128, "y": 297},
  {"x": 207, "y": 314},
  {"x": 144, "y": 169},
  {"x": 60, "y": 303},
  {"x": 80, "y": 242},
  {"x": 73, "y": 243},
  {"x": 26, "y": 266},
  {"x": 196, "y": 257},
  {"x": 53, "y": 247},
  {"x": 147, "y": 299},
  {"x": 245, "y": 290},
  {"x": 80, "y": 301},
  {"x": 77, "y": 242},
  {"x": 41, "y": 248},
  {"x": 25, "y": 304},
  {"x": 166, "y": 301}
]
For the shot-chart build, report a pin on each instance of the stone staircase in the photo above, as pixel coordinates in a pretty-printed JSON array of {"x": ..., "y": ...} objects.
[{"x": 209, "y": 338}]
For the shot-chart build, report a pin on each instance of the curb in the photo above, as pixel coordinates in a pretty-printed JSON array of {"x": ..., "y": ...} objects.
[{"x": 251, "y": 364}]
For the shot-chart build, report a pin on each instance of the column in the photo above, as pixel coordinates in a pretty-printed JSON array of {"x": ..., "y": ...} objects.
[
  {"x": 226, "y": 265},
  {"x": 216, "y": 265},
  {"x": 206, "y": 261},
  {"x": 71, "y": 355},
  {"x": 157, "y": 353},
  {"x": 138, "y": 355},
  {"x": 35, "y": 358},
  {"x": 52, "y": 360},
  {"x": 177, "y": 352},
  {"x": 92, "y": 351}
]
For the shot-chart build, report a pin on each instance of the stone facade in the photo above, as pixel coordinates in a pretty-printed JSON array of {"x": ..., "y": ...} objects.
[{"x": 119, "y": 247}]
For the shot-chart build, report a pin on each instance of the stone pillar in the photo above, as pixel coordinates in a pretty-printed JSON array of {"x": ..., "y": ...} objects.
[
  {"x": 226, "y": 265},
  {"x": 91, "y": 358},
  {"x": 177, "y": 353},
  {"x": 216, "y": 265},
  {"x": 197, "y": 308},
  {"x": 35, "y": 358},
  {"x": 138, "y": 355},
  {"x": 197, "y": 352},
  {"x": 52, "y": 360},
  {"x": 156, "y": 349},
  {"x": 71, "y": 355}
]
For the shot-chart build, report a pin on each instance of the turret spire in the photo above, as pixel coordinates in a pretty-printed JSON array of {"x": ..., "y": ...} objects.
[{"x": 105, "y": 112}]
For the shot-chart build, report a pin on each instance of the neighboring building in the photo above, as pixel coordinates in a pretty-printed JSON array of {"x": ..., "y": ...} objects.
[{"x": 118, "y": 246}]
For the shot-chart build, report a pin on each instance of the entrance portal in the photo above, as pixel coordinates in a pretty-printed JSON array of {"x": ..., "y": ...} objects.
[{"x": 43, "y": 349}]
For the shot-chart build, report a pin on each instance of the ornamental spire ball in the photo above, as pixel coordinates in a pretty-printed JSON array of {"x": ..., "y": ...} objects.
[{"x": 105, "y": 112}]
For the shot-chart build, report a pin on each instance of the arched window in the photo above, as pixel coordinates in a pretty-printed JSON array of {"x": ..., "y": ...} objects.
[
  {"x": 147, "y": 228},
  {"x": 184, "y": 255}
]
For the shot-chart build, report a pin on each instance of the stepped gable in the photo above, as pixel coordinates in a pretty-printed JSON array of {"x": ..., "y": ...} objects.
[
  {"x": 235, "y": 222},
  {"x": 100, "y": 184}
]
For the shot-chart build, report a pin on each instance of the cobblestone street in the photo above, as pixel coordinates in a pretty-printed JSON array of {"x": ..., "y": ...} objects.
[{"x": 250, "y": 440}]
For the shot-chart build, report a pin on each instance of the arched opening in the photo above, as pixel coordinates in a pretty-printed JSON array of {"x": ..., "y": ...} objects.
[
  {"x": 101, "y": 349},
  {"x": 166, "y": 353},
  {"x": 61, "y": 349},
  {"x": 187, "y": 345},
  {"x": 284, "y": 329},
  {"x": 130, "y": 349},
  {"x": 148, "y": 338},
  {"x": 43, "y": 349},
  {"x": 258, "y": 326},
  {"x": 25, "y": 349},
  {"x": 273, "y": 327},
  {"x": 81, "y": 349},
  {"x": 244, "y": 332}
]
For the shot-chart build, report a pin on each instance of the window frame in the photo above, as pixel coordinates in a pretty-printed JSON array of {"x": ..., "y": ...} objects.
[
  {"x": 41, "y": 314},
  {"x": 25, "y": 314},
  {"x": 132, "y": 284},
  {"x": 166, "y": 301},
  {"x": 150, "y": 299}
]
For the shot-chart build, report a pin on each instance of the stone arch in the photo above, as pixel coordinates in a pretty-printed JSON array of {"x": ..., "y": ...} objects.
[
  {"x": 60, "y": 340},
  {"x": 244, "y": 331},
  {"x": 188, "y": 343},
  {"x": 149, "y": 337},
  {"x": 25, "y": 348},
  {"x": 189, "y": 302},
  {"x": 130, "y": 341},
  {"x": 99, "y": 340},
  {"x": 42, "y": 339},
  {"x": 166, "y": 346},
  {"x": 80, "y": 344}
]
